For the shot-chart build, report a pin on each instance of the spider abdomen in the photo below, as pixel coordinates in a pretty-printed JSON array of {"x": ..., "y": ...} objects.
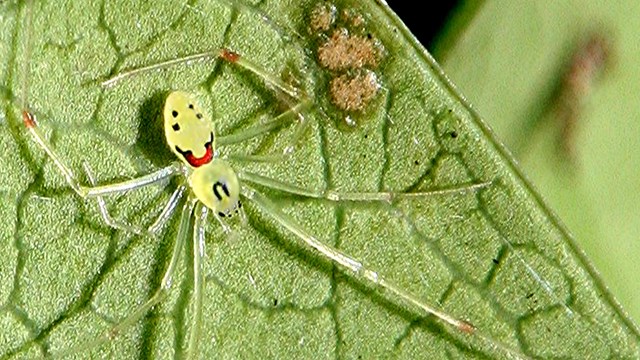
[{"x": 216, "y": 185}]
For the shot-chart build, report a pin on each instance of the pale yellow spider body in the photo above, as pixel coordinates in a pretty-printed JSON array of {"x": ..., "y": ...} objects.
[
  {"x": 190, "y": 135},
  {"x": 189, "y": 132}
]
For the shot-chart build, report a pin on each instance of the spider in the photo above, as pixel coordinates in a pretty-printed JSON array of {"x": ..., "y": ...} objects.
[{"x": 213, "y": 188}]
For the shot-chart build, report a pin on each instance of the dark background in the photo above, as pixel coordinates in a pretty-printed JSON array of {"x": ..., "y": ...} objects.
[{"x": 424, "y": 24}]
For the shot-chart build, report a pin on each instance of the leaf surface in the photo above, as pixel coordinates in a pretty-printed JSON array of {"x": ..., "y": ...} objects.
[
  {"x": 513, "y": 72},
  {"x": 492, "y": 256}
]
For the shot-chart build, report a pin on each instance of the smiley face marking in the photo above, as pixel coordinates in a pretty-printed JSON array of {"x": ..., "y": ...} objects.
[{"x": 197, "y": 161}]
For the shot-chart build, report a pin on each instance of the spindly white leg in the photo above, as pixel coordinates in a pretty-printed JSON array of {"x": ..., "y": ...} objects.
[
  {"x": 152, "y": 230},
  {"x": 158, "y": 296},
  {"x": 354, "y": 196},
  {"x": 275, "y": 82},
  {"x": 368, "y": 276},
  {"x": 168, "y": 210},
  {"x": 198, "y": 278},
  {"x": 223, "y": 54},
  {"x": 263, "y": 128},
  {"x": 389, "y": 197},
  {"x": 137, "y": 183},
  {"x": 116, "y": 224},
  {"x": 346, "y": 262},
  {"x": 87, "y": 191}
]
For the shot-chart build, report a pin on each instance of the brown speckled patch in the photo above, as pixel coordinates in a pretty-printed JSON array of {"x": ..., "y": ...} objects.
[
  {"x": 322, "y": 17},
  {"x": 350, "y": 54},
  {"x": 353, "y": 92},
  {"x": 343, "y": 51}
]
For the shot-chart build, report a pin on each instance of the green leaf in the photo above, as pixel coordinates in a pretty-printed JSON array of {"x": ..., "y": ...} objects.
[
  {"x": 509, "y": 71},
  {"x": 492, "y": 256}
]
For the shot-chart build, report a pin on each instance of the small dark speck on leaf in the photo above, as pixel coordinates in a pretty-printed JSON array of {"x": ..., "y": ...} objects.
[
  {"x": 416, "y": 162},
  {"x": 454, "y": 134},
  {"x": 275, "y": 302},
  {"x": 496, "y": 261},
  {"x": 529, "y": 295}
]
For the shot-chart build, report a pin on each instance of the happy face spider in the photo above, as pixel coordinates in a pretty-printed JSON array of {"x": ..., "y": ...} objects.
[{"x": 213, "y": 186}]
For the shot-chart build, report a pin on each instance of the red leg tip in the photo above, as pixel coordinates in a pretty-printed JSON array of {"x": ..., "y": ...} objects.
[
  {"x": 28, "y": 119},
  {"x": 467, "y": 328},
  {"x": 229, "y": 55}
]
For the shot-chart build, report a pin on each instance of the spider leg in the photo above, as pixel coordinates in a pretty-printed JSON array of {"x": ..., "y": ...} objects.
[
  {"x": 198, "y": 278},
  {"x": 263, "y": 128},
  {"x": 94, "y": 191},
  {"x": 168, "y": 210},
  {"x": 152, "y": 230},
  {"x": 368, "y": 276},
  {"x": 224, "y": 54},
  {"x": 158, "y": 296},
  {"x": 350, "y": 196},
  {"x": 232, "y": 57},
  {"x": 348, "y": 263},
  {"x": 102, "y": 205}
]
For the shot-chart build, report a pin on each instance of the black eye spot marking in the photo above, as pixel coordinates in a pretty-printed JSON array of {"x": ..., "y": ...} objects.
[
  {"x": 175, "y": 127},
  {"x": 199, "y": 116},
  {"x": 221, "y": 214},
  {"x": 174, "y": 113},
  {"x": 191, "y": 106}
]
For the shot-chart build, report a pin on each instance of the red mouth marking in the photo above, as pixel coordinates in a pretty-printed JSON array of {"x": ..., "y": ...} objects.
[{"x": 198, "y": 161}]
